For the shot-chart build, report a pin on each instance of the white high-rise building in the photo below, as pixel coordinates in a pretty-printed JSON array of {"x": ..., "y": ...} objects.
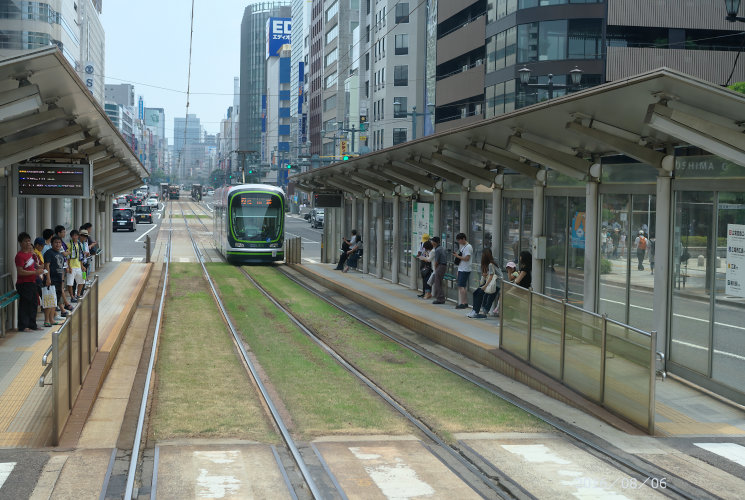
[
  {"x": 72, "y": 25},
  {"x": 301, "y": 10}
]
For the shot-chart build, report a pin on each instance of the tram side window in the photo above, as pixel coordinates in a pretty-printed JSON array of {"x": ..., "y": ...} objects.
[{"x": 256, "y": 217}]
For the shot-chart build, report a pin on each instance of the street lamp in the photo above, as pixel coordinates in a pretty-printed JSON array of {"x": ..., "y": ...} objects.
[
  {"x": 733, "y": 6},
  {"x": 575, "y": 78},
  {"x": 413, "y": 114}
]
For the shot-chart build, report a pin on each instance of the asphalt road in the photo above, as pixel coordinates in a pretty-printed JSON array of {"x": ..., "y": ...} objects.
[
  {"x": 296, "y": 226},
  {"x": 127, "y": 245}
]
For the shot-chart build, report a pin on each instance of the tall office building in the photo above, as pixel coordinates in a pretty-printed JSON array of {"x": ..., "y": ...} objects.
[
  {"x": 253, "y": 70},
  {"x": 299, "y": 63},
  {"x": 72, "y": 25},
  {"x": 188, "y": 148}
]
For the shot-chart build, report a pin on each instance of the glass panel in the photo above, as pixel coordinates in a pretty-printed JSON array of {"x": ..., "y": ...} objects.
[
  {"x": 510, "y": 50},
  {"x": 556, "y": 242},
  {"x": 545, "y": 336},
  {"x": 74, "y": 355},
  {"x": 552, "y": 40},
  {"x": 387, "y": 235},
  {"x": 476, "y": 239},
  {"x": 728, "y": 363},
  {"x": 371, "y": 248},
  {"x": 256, "y": 216},
  {"x": 3, "y": 198},
  {"x": 582, "y": 352},
  {"x": 510, "y": 230},
  {"x": 623, "y": 170},
  {"x": 576, "y": 256},
  {"x": 526, "y": 225},
  {"x": 614, "y": 265},
  {"x": 692, "y": 267},
  {"x": 641, "y": 280},
  {"x": 404, "y": 238},
  {"x": 491, "y": 53},
  {"x": 627, "y": 373},
  {"x": 500, "y": 50},
  {"x": 515, "y": 307}
]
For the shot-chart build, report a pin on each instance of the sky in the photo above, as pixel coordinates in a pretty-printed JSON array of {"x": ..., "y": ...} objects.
[{"x": 147, "y": 45}]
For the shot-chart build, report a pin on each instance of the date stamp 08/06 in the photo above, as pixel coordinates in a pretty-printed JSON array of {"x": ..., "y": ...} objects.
[{"x": 625, "y": 482}]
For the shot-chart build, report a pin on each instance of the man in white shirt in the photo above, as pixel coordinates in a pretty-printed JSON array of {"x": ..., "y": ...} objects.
[{"x": 463, "y": 256}]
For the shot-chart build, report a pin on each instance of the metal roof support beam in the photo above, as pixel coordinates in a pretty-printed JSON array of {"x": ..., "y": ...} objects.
[
  {"x": 303, "y": 187},
  {"x": 421, "y": 181},
  {"x": 438, "y": 171},
  {"x": 23, "y": 100},
  {"x": 10, "y": 127},
  {"x": 28, "y": 147},
  {"x": 99, "y": 172},
  {"x": 478, "y": 175},
  {"x": 345, "y": 187},
  {"x": 382, "y": 188},
  {"x": 729, "y": 143},
  {"x": 632, "y": 149},
  {"x": 503, "y": 160},
  {"x": 96, "y": 153},
  {"x": 117, "y": 187},
  {"x": 383, "y": 176},
  {"x": 567, "y": 164},
  {"x": 462, "y": 156},
  {"x": 111, "y": 179}
]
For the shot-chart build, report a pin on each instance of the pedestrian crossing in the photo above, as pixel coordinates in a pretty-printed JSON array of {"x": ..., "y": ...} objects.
[
  {"x": 731, "y": 451},
  {"x": 5, "y": 470}
]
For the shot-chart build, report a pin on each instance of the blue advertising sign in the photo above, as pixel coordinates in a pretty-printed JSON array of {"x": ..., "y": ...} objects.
[
  {"x": 578, "y": 230},
  {"x": 278, "y": 30},
  {"x": 141, "y": 109}
]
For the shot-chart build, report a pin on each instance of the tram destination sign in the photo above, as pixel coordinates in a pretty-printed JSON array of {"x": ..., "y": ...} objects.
[
  {"x": 327, "y": 200},
  {"x": 52, "y": 180}
]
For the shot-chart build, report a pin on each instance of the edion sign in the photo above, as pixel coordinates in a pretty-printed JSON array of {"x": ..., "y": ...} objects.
[{"x": 278, "y": 31}]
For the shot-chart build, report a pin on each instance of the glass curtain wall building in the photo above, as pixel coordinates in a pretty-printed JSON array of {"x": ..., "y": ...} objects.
[{"x": 253, "y": 69}]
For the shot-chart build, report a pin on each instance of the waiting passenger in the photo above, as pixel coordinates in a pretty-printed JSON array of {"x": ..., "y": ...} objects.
[
  {"x": 463, "y": 260},
  {"x": 353, "y": 254},
  {"x": 346, "y": 244},
  {"x": 511, "y": 275},
  {"x": 439, "y": 265},
  {"x": 26, "y": 284},
  {"x": 426, "y": 269},
  {"x": 488, "y": 287},
  {"x": 525, "y": 278}
]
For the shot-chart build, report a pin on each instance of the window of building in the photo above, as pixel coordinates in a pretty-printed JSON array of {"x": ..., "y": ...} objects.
[
  {"x": 402, "y": 13},
  {"x": 382, "y": 109},
  {"x": 332, "y": 34},
  {"x": 331, "y": 57},
  {"x": 401, "y": 75},
  {"x": 329, "y": 126},
  {"x": 402, "y": 44},
  {"x": 399, "y": 135},
  {"x": 329, "y": 103},
  {"x": 399, "y": 107},
  {"x": 558, "y": 40},
  {"x": 332, "y": 11},
  {"x": 330, "y": 80}
]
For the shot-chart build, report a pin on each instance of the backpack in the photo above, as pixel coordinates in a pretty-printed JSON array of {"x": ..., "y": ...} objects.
[{"x": 642, "y": 243}]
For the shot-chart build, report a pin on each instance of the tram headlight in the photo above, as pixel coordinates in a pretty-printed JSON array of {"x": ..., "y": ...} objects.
[
  {"x": 239, "y": 245},
  {"x": 274, "y": 245}
]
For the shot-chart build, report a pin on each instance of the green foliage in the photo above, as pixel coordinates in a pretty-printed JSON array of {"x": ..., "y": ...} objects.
[
  {"x": 605, "y": 266},
  {"x": 738, "y": 87}
]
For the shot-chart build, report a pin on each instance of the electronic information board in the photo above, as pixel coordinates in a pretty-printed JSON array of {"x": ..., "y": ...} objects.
[
  {"x": 327, "y": 200},
  {"x": 52, "y": 180}
]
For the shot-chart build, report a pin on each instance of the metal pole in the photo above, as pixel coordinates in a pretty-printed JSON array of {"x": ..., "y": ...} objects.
[
  {"x": 603, "y": 339},
  {"x": 413, "y": 123},
  {"x": 147, "y": 248},
  {"x": 550, "y": 86},
  {"x": 652, "y": 381},
  {"x": 530, "y": 324},
  {"x": 563, "y": 340}
]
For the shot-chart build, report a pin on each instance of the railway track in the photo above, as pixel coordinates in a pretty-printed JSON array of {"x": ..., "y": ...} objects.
[{"x": 482, "y": 476}]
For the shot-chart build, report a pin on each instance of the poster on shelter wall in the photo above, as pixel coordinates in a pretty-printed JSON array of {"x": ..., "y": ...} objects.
[
  {"x": 423, "y": 223},
  {"x": 735, "y": 260},
  {"x": 578, "y": 230}
]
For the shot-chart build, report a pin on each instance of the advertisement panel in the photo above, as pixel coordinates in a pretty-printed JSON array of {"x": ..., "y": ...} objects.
[
  {"x": 278, "y": 30},
  {"x": 735, "y": 260},
  {"x": 578, "y": 230},
  {"x": 423, "y": 223}
]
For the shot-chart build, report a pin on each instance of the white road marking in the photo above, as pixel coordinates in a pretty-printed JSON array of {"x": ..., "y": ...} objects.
[
  {"x": 397, "y": 480},
  {"x": 217, "y": 486},
  {"x": 184, "y": 259},
  {"x": 138, "y": 259},
  {"x": 730, "y": 451},
  {"x": 143, "y": 234},
  {"x": 5, "y": 470},
  {"x": 676, "y": 314},
  {"x": 117, "y": 259},
  {"x": 535, "y": 453}
]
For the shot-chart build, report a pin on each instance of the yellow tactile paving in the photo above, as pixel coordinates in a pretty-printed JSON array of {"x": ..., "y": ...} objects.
[
  {"x": 19, "y": 389},
  {"x": 673, "y": 414},
  {"x": 15, "y": 439},
  {"x": 693, "y": 428}
]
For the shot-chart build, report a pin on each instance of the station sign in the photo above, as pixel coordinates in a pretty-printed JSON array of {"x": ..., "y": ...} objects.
[
  {"x": 52, "y": 180},
  {"x": 735, "y": 275},
  {"x": 327, "y": 200}
]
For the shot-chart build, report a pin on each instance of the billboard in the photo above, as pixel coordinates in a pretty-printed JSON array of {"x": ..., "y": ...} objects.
[{"x": 278, "y": 30}]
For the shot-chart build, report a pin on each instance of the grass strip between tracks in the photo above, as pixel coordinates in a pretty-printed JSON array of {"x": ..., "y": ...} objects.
[
  {"x": 318, "y": 396},
  {"x": 442, "y": 399},
  {"x": 202, "y": 389},
  {"x": 198, "y": 216}
]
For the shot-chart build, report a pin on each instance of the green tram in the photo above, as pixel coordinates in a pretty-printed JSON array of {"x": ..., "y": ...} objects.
[{"x": 249, "y": 223}]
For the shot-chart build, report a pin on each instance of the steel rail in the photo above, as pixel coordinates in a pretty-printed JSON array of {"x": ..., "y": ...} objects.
[
  {"x": 555, "y": 423},
  {"x": 499, "y": 490},
  {"x": 315, "y": 491},
  {"x": 129, "y": 491}
]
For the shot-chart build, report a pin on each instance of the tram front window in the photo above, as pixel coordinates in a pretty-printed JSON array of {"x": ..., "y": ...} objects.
[{"x": 256, "y": 217}]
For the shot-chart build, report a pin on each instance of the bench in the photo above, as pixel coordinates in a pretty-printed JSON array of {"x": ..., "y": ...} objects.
[{"x": 6, "y": 300}]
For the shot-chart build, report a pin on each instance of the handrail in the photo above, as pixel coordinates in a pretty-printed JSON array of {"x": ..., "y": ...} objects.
[
  {"x": 46, "y": 355},
  {"x": 42, "y": 379}
]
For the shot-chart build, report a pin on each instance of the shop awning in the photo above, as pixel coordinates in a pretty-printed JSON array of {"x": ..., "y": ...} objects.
[
  {"x": 47, "y": 114},
  {"x": 643, "y": 117}
]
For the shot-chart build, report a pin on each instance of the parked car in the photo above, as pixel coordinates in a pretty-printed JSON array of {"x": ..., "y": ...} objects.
[
  {"x": 316, "y": 218},
  {"x": 144, "y": 213},
  {"x": 124, "y": 218}
]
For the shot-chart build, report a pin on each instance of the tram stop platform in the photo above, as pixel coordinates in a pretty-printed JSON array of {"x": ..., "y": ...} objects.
[
  {"x": 681, "y": 409},
  {"x": 25, "y": 407}
]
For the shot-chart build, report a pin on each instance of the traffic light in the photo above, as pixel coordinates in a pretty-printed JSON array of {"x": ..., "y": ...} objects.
[
  {"x": 250, "y": 170},
  {"x": 345, "y": 157},
  {"x": 290, "y": 166}
]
